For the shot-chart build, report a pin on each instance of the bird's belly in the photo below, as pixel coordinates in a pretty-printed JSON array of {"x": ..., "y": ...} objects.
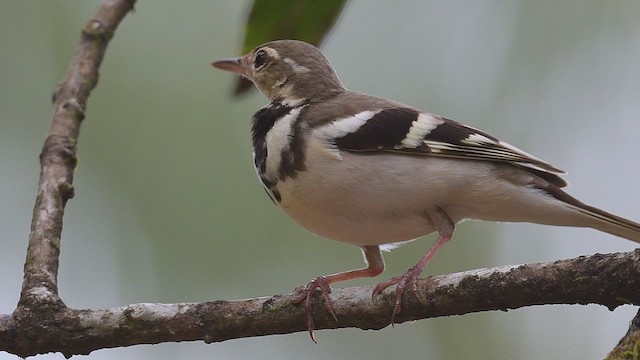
[
  {"x": 350, "y": 200},
  {"x": 348, "y": 219}
]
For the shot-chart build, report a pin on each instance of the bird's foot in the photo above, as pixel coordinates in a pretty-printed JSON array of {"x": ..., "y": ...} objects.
[
  {"x": 407, "y": 279},
  {"x": 306, "y": 298}
]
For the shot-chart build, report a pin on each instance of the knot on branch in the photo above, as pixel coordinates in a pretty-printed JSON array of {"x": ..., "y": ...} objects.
[
  {"x": 74, "y": 107},
  {"x": 59, "y": 149},
  {"x": 41, "y": 299},
  {"x": 96, "y": 31}
]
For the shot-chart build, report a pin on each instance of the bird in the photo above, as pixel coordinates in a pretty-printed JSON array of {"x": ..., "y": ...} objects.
[{"x": 375, "y": 173}]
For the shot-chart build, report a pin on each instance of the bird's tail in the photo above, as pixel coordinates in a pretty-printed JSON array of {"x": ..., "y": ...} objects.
[
  {"x": 596, "y": 218},
  {"x": 610, "y": 223}
]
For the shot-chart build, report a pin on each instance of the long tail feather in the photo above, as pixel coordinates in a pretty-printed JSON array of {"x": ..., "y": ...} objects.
[
  {"x": 598, "y": 219},
  {"x": 610, "y": 223}
]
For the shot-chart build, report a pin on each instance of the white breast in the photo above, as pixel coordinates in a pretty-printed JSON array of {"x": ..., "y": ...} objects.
[{"x": 278, "y": 140}]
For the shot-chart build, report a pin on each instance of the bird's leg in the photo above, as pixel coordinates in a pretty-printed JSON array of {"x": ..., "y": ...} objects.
[
  {"x": 445, "y": 227},
  {"x": 375, "y": 266}
]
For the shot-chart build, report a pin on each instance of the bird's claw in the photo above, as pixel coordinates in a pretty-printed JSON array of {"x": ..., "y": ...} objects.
[
  {"x": 408, "y": 278},
  {"x": 306, "y": 298}
]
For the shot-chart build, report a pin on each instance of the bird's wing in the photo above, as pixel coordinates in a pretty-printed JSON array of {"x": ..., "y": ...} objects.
[{"x": 407, "y": 130}]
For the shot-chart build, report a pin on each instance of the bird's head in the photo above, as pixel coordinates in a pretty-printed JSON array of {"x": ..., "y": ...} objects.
[{"x": 286, "y": 71}]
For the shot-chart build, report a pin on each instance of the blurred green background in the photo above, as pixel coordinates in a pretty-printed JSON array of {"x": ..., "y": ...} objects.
[{"x": 168, "y": 208}]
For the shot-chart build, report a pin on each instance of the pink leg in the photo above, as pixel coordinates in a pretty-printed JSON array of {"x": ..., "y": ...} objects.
[
  {"x": 445, "y": 227},
  {"x": 375, "y": 266}
]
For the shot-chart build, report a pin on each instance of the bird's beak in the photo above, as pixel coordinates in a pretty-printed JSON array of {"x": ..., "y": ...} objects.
[{"x": 237, "y": 65}]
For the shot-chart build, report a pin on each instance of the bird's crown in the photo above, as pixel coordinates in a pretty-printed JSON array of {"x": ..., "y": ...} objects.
[{"x": 287, "y": 71}]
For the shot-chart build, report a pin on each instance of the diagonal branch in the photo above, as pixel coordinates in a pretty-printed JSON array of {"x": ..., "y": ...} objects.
[
  {"x": 58, "y": 158},
  {"x": 610, "y": 280}
]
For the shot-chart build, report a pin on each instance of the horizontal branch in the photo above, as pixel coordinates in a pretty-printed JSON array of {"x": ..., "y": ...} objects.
[{"x": 610, "y": 280}]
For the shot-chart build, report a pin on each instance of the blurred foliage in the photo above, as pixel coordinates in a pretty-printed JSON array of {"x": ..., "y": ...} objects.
[{"x": 306, "y": 20}]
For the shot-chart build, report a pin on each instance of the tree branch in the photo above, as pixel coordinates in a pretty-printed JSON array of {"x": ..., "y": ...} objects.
[
  {"x": 58, "y": 158},
  {"x": 610, "y": 280}
]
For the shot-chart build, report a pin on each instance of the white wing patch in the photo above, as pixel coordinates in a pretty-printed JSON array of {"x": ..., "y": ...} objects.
[
  {"x": 344, "y": 126},
  {"x": 340, "y": 128},
  {"x": 420, "y": 128}
]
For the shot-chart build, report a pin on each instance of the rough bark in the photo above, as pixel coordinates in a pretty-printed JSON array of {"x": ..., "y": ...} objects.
[{"x": 610, "y": 280}]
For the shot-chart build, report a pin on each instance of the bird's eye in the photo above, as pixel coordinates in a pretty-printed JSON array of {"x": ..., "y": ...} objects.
[{"x": 260, "y": 59}]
